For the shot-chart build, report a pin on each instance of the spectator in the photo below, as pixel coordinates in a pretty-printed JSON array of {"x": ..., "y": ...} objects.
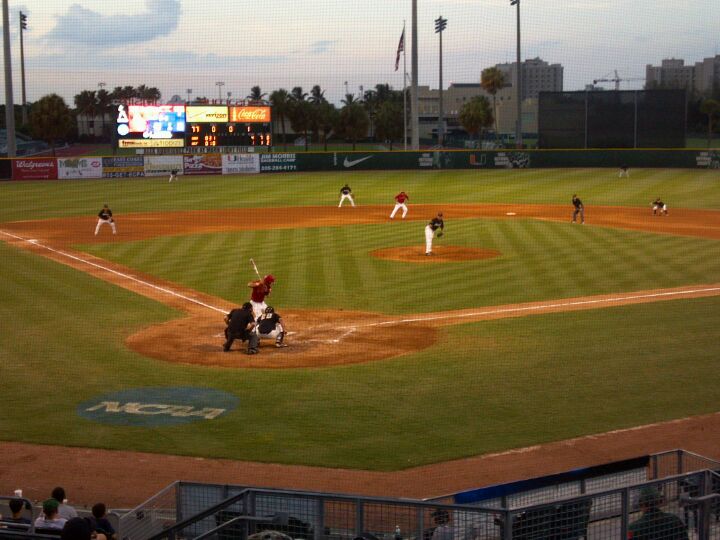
[
  {"x": 66, "y": 511},
  {"x": 443, "y": 528},
  {"x": 654, "y": 524},
  {"x": 79, "y": 529},
  {"x": 50, "y": 518},
  {"x": 100, "y": 523},
  {"x": 16, "y": 508}
]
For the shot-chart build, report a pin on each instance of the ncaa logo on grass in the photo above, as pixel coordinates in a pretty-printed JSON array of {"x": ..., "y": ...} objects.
[{"x": 158, "y": 406}]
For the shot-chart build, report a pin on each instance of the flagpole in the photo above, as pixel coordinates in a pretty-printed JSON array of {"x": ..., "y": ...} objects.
[{"x": 404, "y": 91}]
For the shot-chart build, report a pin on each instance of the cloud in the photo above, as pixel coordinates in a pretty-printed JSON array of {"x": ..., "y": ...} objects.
[
  {"x": 83, "y": 26},
  {"x": 320, "y": 47}
]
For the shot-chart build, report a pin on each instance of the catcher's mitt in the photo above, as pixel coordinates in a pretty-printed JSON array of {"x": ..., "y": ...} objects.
[{"x": 440, "y": 234}]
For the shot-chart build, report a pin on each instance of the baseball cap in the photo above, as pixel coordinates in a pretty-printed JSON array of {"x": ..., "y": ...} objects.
[
  {"x": 247, "y": 305},
  {"x": 50, "y": 506},
  {"x": 649, "y": 496}
]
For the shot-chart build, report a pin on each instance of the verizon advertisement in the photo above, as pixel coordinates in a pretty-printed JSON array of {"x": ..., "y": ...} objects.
[
  {"x": 35, "y": 169},
  {"x": 240, "y": 163},
  {"x": 90, "y": 167}
]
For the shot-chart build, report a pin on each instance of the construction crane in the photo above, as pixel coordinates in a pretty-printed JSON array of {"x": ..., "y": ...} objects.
[{"x": 617, "y": 80}]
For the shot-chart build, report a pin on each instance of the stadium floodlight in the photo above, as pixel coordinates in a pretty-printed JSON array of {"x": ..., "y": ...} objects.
[
  {"x": 220, "y": 84},
  {"x": 440, "y": 25},
  {"x": 23, "y": 21},
  {"x": 518, "y": 87}
]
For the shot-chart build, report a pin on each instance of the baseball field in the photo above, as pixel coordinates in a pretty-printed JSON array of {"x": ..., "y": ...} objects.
[{"x": 523, "y": 329}]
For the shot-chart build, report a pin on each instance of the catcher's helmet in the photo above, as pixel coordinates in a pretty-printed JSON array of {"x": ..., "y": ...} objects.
[
  {"x": 269, "y": 279},
  {"x": 269, "y": 310}
]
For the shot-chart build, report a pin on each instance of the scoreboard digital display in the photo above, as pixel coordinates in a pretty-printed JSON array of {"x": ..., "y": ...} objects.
[
  {"x": 159, "y": 126},
  {"x": 228, "y": 126}
]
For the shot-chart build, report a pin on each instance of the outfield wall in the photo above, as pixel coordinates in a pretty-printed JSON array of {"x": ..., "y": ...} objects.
[{"x": 217, "y": 163}]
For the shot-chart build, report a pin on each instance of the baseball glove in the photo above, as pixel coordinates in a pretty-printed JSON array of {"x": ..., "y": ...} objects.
[{"x": 440, "y": 234}]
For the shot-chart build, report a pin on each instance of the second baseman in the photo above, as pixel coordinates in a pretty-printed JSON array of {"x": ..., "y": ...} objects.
[{"x": 400, "y": 199}]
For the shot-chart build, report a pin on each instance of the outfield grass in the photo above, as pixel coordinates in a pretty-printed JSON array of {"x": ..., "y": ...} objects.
[
  {"x": 483, "y": 387},
  {"x": 687, "y": 188}
]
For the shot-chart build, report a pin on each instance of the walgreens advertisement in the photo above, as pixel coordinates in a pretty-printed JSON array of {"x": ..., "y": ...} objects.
[{"x": 34, "y": 169}]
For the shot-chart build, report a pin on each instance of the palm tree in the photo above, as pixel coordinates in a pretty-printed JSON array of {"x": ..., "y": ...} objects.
[
  {"x": 300, "y": 113},
  {"x": 711, "y": 108},
  {"x": 327, "y": 120},
  {"x": 317, "y": 95},
  {"x": 105, "y": 107},
  {"x": 476, "y": 115},
  {"x": 349, "y": 99},
  {"x": 50, "y": 119},
  {"x": 256, "y": 94},
  {"x": 280, "y": 100},
  {"x": 153, "y": 95},
  {"x": 353, "y": 120},
  {"x": 86, "y": 103},
  {"x": 371, "y": 103},
  {"x": 492, "y": 80},
  {"x": 388, "y": 122}
]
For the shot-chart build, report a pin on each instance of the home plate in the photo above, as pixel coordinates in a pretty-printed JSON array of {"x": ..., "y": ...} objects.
[{"x": 510, "y": 214}]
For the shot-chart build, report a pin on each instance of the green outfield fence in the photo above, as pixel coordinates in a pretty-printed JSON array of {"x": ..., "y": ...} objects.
[{"x": 206, "y": 163}]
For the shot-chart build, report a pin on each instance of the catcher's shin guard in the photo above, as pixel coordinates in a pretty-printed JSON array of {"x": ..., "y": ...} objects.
[{"x": 279, "y": 340}]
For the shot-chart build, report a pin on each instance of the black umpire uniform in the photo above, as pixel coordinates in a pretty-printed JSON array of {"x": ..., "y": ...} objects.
[{"x": 241, "y": 325}]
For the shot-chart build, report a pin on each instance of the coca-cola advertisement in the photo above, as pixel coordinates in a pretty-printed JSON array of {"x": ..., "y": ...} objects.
[
  {"x": 34, "y": 169},
  {"x": 250, "y": 114}
]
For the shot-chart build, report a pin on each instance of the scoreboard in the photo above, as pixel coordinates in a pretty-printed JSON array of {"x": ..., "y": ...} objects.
[
  {"x": 194, "y": 125},
  {"x": 215, "y": 125}
]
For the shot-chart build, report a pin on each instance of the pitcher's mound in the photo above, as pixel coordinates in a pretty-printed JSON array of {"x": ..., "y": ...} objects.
[{"x": 416, "y": 254}]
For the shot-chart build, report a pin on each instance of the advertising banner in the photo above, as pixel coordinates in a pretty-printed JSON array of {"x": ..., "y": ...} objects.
[
  {"x": 207, "y": 113},
  {"x": 240, "y": 163},
  {"x": 278, "y": 162},
  {"x": 162, "y": 165},
  {"x": 123, "y": 167},
  {"x": 203, "y": 164},
  {"x": 90, "y": 167},
  {"x": 250, "y": 114},
  {"x": 34, "y": 169}
]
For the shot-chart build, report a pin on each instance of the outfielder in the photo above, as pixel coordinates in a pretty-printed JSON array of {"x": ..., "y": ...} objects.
[
  {"x": 578, "y": 209},
  {"x": 435, "y": 224},
  {"x": 270, "y": 326},
  {"x": 105, "y": 216},
  {"x": 659, "y": 207},
  {"x": 400, "y": 199},
  {"x": 346, "y": 193},
  {"x": 173, "y": 175},
  {"x": 260, "y": 289},
  {"x": 624, "y": 171}
]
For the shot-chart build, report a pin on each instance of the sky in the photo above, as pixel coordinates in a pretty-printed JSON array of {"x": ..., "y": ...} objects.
[{"x": 178, "y": 45}]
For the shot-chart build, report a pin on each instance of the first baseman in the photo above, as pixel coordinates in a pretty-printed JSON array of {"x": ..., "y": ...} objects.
[
  {"x": 434, "y": 224},
  {"x": 659, "y": 207},
  {"x": 346, "y": 193},
  {"x": 578, "y": 209},
  {"x": 400, "y": 199},
  {"x": 105, "y": 216}
]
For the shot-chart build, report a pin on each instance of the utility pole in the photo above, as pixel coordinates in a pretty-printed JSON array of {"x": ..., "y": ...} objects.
[
  {"x": 415, "y": 113},
  {"x": 518, "y": 90},
  {"x": 23, "y": 26},
  {"x": 440, "y": 25},
  {"x": 9, "y": 103}
]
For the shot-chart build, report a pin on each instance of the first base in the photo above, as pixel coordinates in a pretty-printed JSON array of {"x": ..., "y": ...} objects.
[{"x": 510, "y": 214}]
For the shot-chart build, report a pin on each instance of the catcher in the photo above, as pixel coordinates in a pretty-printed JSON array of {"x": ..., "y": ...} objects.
[
  {"x": 271, "y": 326},
  {"x": 105, "y": 216},
  {"x": 430, "y": 231}
]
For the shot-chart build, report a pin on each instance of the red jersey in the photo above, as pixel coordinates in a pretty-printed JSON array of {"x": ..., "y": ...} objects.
[
  {"x": 401, "y": 197},
  {"x": 259, "y": 292}
]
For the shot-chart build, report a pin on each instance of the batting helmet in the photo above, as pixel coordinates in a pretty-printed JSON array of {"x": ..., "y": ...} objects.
[
  {"x": 269, "y": 310},
  {"x": 269, "y": 279}
]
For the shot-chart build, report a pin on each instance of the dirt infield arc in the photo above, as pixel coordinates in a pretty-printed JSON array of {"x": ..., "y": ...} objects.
[{"x": 135, "y": 476}]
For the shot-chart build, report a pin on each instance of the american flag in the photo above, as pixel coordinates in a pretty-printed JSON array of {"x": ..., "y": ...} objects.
[{"x": 401, "y": 48}]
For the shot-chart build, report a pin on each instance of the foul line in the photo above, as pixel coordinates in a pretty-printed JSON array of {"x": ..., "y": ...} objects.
[
  {"x": 521, "y": 309},
  {"x": 121, "y": 274}
]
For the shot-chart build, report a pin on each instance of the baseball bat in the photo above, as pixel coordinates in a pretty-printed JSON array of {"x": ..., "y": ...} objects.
[{"x": 256, "y": 269}]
